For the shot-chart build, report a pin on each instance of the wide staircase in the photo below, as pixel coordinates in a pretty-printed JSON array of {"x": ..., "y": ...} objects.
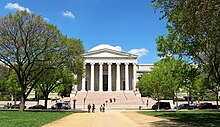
[{"x": 114, "y": 99}]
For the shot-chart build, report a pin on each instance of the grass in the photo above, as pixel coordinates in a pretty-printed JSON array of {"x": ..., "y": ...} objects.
[
  {"x": 28, "y": 119},
  {"x": 201, "y": 118}
]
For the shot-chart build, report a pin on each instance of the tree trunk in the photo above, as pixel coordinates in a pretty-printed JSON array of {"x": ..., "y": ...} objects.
[
  {"x": 15, "y": 99},
  {"x": 217, "y": 99},
  {"x": 22, "y": 103},
  {"x": 188, "y": 97},
  {"x": 37, "y": 97},
  {"x": 176, "y": 101},
  {"x": 46, "y": 98},
  {"x": 158, "y": 106}
]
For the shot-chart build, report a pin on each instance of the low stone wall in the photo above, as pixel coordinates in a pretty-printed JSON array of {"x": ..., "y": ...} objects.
[{"x": 29, "y": 103}]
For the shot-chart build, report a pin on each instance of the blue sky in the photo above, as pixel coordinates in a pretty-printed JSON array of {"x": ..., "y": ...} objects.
[{"x": 130, "y": 24}]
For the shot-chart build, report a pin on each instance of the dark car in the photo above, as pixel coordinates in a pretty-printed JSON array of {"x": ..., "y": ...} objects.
[
  {"x": 162, "y": 105},
  {"x": 207, "y": 106},
  {"x": 37, "y": 107},
  {"x": 61, "y": 106},
  {"x": 185, "y": 106},
  {"x": 16, "y": 106}
]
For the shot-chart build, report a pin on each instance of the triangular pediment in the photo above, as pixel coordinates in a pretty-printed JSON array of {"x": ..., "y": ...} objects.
[{"x": 108, "y": 53}]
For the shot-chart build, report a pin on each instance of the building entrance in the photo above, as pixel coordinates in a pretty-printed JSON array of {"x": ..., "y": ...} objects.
[
  {"x": 123, "y": 85},
  {"x": 105, "y": 82}
]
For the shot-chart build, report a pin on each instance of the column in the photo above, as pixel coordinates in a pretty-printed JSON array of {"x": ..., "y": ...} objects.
[
  {"x": 92, "y": 77},
  {"x": 118, "y": 77},
  {"x": 134, "y": 75},
  {"x": 109, "y": 76},
  {"x": 126, "y": 77},
  {"x": 100, "y": 76},
  {"x": 84, "y": 78}
]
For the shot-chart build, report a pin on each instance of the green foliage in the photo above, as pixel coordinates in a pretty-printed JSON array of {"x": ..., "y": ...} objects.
[
  {"x": 13, "y": 84},
  {"x": 61, "y": 78},
  {"x": 168, "y": 77},
  {"x": 54, "y": 79},
  {"x": 29, "y": 119},
  {"x": 194, "y": 29},
  {"x": 3, "y": 77},
  {"x": 164, "y": 79},
  {"x": 31, "y": 47}
]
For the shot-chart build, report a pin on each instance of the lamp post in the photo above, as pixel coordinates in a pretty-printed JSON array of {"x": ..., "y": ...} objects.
[{"x": 74, "y": 104}]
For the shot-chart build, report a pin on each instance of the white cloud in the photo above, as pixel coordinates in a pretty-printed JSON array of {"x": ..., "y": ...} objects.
[
  {"x": 46, "y": 19},
  {"x": 140, "y": 52},
  {"x": 17, "y": 7},
  {"x": 118, "y": 48},
  {"x": 68, "y": 14}
]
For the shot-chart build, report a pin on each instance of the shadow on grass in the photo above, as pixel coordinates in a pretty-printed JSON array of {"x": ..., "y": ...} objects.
[
  {"x": 191, "y": 118},
  {"x": 165, "y": 123}
]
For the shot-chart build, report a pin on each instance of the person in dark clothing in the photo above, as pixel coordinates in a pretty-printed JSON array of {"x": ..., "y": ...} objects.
[
  {"x": 103, "y": 108},
  {"x": 89, "y": 108},
  {"x": 93, "y": 107},
  {"x": 100, "y": 108}
]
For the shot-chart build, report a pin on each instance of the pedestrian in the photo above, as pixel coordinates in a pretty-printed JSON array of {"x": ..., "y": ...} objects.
[
  {"x": 110, "y": 100},
  {"x": 89, "y": 108},
  {"x": 103, "y": 108},
  {"x": 100, "y": 108},
  {"x": 114, "y": 99},
  {"x": 93, "y": 107},
  {"x": 8, "y": 105}
]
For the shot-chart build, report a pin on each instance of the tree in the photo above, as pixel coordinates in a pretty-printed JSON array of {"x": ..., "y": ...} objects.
[
  {"x": 13, "y": 85},
  {"x": 61, "y": 78},
  {"x": 153, "y": 84},
  {"x": 3, "y": 81},
  {"x": 165, "y": 80},
  {"x": 30, "y": 47},
  {"x": 162, "y": 81},
  {"x": 194, "y": 29},
  {"x": 52, "y": 79},
  {"x": 190, "y": 74},
  {"x": 3, "y": 76},
  {"x": 201, "y": 88}
]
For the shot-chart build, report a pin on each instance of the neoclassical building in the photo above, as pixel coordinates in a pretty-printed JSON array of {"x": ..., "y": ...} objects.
[{"x": 107, "y": 68}]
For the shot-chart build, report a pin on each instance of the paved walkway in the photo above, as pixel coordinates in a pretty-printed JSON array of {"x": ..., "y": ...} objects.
[{"x": 111, "y": 119}]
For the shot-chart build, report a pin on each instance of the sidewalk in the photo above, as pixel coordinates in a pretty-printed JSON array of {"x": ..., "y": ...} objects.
[
  {"x": 111, "y": 119},
  {"x": 98, "y": 119}
]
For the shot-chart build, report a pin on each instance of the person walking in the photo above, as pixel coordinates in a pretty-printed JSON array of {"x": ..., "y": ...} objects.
[
  {"x": 103, "y": 108},
  {"x": 100, "y": 108},
  {"x": 89, "y": 107},
  {"x": 93, "y": 107}
]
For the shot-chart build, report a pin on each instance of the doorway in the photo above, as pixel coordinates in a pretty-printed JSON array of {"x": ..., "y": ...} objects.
[
  {"x": 105, "y": 82},
  {"x": 123, "y": 85},
  {"x": 86, "y": 85}
]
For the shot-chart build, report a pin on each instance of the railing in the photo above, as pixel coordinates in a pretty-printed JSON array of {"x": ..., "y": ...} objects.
[
  {"x": 125, "y": 95},
  {"x": 84, "y": 99}
]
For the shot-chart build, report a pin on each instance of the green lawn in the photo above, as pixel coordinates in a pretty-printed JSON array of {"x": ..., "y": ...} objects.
[
  {"x": 201, "y": 118},
  {"x": 28, "y": 119}
]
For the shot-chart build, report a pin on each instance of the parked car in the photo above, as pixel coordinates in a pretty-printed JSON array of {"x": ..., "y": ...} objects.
[
  {"x": 37, "y": 107},
  {"x": 207, "y": 106},
  {"x": 61, "y": 106},
  {"x": 16, "y": 106},
  {"x": 185, "y": 106},
  {"x": 162, "y": 105}
]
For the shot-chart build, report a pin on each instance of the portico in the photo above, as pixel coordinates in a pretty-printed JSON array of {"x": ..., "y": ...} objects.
[{"x": 108, "y": 69}]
